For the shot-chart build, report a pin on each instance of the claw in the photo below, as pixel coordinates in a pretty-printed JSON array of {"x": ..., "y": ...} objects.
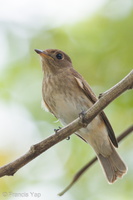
[
  {"x": 68, "y": 138},
  {"x": 56, "y": 130},
  {"x": 100, "y": 95}
]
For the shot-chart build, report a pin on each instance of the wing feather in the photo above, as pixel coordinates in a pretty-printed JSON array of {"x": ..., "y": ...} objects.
[{"x": 92, "y": 97}]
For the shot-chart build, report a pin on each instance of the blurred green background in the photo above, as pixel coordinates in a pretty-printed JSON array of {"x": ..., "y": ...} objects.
[{"x": 100, "y": 44}]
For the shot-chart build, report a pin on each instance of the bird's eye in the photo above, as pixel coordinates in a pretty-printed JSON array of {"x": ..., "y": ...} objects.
[{"x": 59, "y": 56}]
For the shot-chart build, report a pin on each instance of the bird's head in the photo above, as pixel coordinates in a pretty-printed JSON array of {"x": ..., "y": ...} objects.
[{"x": 54, "y": 60}]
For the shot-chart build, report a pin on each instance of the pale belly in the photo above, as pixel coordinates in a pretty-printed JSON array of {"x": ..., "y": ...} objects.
[
  {"x": 95, "y": 133},
  {"x": 68, "y": 110}
]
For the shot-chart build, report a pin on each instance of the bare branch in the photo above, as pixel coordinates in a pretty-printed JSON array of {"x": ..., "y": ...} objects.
[
  {"x": 37, "y": 149},
  {"x": 90, "y": 163}
]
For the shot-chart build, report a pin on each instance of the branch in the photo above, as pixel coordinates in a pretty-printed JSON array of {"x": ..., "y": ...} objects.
[
  {"x": 37, "y": 149},
  {"x": 90, "y": 163}
]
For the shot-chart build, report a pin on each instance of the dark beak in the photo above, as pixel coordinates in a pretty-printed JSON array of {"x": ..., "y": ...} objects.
[
  {"x": 43, "y": 54},
  {"x": 38, "y": 51}
]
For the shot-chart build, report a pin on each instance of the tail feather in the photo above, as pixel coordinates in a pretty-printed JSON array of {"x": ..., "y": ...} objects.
[{"x": 113, "y": 166}]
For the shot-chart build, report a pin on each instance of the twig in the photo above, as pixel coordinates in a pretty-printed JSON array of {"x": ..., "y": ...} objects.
[
  {"x": 35, "y": 150},
  {"x": 90, "y": 163}
]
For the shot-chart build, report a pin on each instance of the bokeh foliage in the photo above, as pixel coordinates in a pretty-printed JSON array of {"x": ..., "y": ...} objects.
[{"x": 101, "y": 49}]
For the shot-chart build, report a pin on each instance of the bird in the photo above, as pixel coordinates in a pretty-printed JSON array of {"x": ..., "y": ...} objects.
[{"x": 66, "y": 95}]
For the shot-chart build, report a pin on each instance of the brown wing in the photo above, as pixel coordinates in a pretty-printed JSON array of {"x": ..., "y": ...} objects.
[{"x": 92, "y": 97}]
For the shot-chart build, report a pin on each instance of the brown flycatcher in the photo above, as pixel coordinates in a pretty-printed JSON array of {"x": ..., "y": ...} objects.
[{"x": 66, "y": 94}]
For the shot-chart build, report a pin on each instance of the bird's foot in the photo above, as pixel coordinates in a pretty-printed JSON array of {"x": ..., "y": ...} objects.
[
  {"x": 59, "y": 128},
  {"x": 82, "y": 119},
  {"x": 68, "y": 138},
  {"x": 100, "y": 95},
  {"x": 56, "y": 130}
]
